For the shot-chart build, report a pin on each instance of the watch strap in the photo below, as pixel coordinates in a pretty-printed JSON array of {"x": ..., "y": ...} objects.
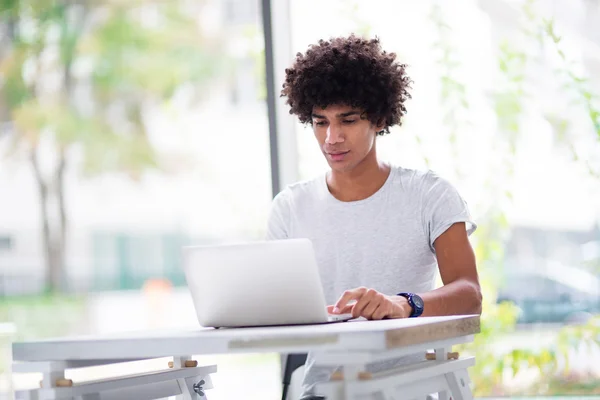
[{"x": 415, "y": 310}]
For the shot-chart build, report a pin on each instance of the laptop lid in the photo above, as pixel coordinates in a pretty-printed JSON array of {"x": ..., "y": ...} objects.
[{"x": 255, "y": 284}]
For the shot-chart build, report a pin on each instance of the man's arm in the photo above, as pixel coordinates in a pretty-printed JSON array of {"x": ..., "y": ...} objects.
[{"x": 460, "y": 294}]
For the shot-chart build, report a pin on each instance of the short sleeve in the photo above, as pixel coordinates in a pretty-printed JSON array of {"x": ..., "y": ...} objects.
[
  {"x": 279, "y": 216},
  {"x": 443, "y": 206}
]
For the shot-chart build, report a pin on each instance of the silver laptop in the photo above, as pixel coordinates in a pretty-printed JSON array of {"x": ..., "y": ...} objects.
[{"x": 257, "y": 284}]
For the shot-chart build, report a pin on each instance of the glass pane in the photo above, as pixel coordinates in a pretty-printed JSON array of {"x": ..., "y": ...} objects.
[
  {"x": 143, "y": 126},
  {"x": 511, "y": 118}
]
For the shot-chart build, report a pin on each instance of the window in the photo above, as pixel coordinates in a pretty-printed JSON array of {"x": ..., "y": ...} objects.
[
  {"x": 536, "y": 207},
  {"x": 160, "y": 75},
  {"x": 238, "y": 12}
]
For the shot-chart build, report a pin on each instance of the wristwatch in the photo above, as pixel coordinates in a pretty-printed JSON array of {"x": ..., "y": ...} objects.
[{"x": 416, "y": 302}]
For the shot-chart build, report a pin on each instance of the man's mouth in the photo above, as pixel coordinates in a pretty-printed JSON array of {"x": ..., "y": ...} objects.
[{"x": 337, "y": 155}]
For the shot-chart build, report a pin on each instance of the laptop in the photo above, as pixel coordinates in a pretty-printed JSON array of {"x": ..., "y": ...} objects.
[{"x": 257, "y": 284}]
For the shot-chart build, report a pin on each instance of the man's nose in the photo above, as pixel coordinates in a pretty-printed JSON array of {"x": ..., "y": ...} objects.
[{"x": 334, "y": 135}]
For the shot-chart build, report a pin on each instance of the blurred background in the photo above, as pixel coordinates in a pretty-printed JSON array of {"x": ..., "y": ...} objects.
[{"x": 129, "y": 128}]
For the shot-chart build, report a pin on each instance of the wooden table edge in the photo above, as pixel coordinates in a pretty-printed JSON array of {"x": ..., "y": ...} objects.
[{"x": 434, "y": 331}]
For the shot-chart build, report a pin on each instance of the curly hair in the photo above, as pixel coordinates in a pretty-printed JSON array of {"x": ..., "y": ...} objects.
[{"x": 351, "y": 71}]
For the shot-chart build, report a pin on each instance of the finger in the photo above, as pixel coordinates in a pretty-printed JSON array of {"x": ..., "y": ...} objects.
[
  {"x": 369, "y": 303},
  {"x": 370, "y": 309},
  {"x": 348, "y": 295},
  {"x": 381, "y": 313},
  {"x": 346, "y": 310},
  {"x": 369, "y": 296}
]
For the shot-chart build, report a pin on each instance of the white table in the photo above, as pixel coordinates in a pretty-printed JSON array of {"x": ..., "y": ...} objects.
[{"x": 350, "y": 344}]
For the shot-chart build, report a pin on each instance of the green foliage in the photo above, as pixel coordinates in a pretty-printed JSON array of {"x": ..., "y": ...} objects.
[
  {"x": 42, "y": 317},
  {"x": 351, "y": 10},
  {"x": 494, "y": 369},
  {"x": 252, "y": 34},
  {"x": 508, "y": 103},
  {"x": 38, "y": 317},
  {"x": 551, "y": 363},
  {"x": 576, "y": 82},
  {"x": 496, "y": 320},
  {"x": 128, "y": 63},
  {"x": 14, "y": 87},
  {"x": 453, "y": 94},
  {"x": 84, "y": 76},
  {"x": 137, "y": 62}
]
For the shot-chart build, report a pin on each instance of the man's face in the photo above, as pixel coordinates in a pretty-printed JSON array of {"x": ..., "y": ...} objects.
[{"x": 344, "y": 137}]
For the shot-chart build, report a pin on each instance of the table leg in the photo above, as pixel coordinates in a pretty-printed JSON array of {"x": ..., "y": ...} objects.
[
  {"x": 186, "y": 393},
  {"x": 191, "y": 388},
  {"x": 351, "y": 375},
  {"x": 459, "y": 385},
  {"x": 340, "y": 381},
  {"x": 442, "y": 354},
  {"x": 53, "y": 375}
]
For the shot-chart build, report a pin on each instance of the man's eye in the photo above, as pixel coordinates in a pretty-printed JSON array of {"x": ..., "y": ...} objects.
[
  {"x": 349, "y": 121},
  {"x": 320, "y": 123}
]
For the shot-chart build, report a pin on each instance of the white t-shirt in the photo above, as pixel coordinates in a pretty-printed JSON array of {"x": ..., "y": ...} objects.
[{"x": 384, "y": 242}]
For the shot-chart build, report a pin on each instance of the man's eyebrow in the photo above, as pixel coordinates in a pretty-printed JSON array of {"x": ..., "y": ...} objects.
[
  {"x": 347, "y": 114},
  {"x": 341, "y": 115}
]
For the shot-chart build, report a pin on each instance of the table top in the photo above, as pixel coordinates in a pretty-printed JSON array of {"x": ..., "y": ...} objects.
[{"x": 354, "y": 335}]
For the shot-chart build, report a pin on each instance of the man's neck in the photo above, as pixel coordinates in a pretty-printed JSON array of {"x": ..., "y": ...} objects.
[{"x": 360, "y": 183}]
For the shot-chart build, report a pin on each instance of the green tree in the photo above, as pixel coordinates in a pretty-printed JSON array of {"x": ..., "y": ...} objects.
[
  {"x": 515, "y": 57},
  {"x": 79, "y": 78}
]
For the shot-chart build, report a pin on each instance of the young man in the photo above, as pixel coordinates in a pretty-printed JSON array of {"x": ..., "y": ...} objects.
[{"x": 379, "y": 231}]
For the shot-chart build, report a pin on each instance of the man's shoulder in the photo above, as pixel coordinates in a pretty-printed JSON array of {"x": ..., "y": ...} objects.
[
  {"x": 308, "y": 186},
  {"x": 302, "y": 191},
  {"x": 414, "y": 179}
]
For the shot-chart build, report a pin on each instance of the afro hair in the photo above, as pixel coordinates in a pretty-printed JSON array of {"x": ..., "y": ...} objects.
[{"x": 348, "y": 71}]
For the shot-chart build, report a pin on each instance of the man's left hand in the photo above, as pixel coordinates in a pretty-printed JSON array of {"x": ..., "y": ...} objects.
[{"x": 371, "y": 304}]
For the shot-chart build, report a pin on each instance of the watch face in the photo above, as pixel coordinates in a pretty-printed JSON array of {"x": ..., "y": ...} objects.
[{"x": 418, "y": 301}]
